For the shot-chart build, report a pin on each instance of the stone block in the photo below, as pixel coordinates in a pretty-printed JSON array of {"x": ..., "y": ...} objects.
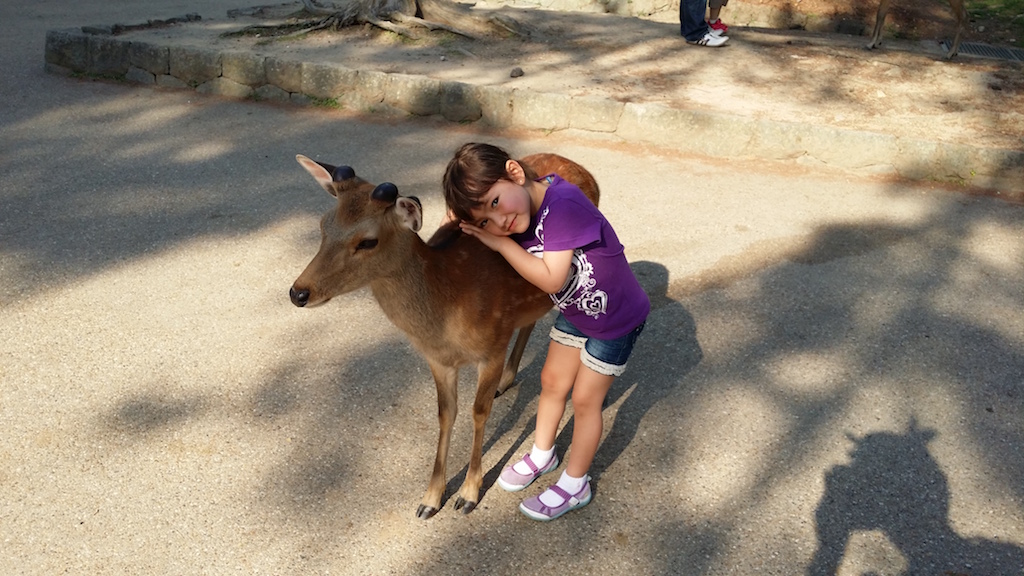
[
  {"x": 495, "y": 105},
  {"x": 370, "y": 88},
  {"x": 459, "y": 102},
  {"x": 149, "y": 57},
  {"x": 594, "y": 113},
  {"x": 706, "y": 133},
  {"x": 416, "y": 95},
  {"x": 194, "y": 66},
  {"x": 647, "y": 123},
  {"x": 139, "y": 76},
  {"x": 107, "y": 56},
  {"x": 168, "y": 81},
  {"x": 678, "y": 129},
  {"x": 285, "y": 74},
  {"x": 540, "y": 110},
  {"x": 918, "y": 159},
  {"x": 326, "y": 80},
  {"x": 273, "y": 93},
  {"x": 848, "y": 149},
  {"x": 67, "y": 49},
  {"x": 98, "y": 29},
  {"x": 224, "y": 87},
  {"x": 244, "y": 67}
]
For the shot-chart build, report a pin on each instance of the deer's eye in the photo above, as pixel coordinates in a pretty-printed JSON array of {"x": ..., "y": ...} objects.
[{"x": 366, "y": 244}]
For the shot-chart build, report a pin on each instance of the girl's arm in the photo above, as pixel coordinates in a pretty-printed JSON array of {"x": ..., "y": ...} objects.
[{"x": 549, "y": 274}]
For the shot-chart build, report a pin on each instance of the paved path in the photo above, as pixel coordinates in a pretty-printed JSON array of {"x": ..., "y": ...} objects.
[{"x": 831, "y": 376}]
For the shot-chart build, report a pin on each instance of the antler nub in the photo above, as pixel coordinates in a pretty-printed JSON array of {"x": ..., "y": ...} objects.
[
  {"x": 385, "y": 192},
  {"x": 342, "y": 173}
]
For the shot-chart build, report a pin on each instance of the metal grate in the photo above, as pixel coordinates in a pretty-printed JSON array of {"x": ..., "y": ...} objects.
[{"x": 987, "y": 51}]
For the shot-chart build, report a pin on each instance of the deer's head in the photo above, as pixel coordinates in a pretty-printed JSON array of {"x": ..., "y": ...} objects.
[{"x": 363, "y": 238}]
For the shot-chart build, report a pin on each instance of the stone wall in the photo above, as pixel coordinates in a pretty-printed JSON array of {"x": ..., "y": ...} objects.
[{"x": 247, "y": 75}]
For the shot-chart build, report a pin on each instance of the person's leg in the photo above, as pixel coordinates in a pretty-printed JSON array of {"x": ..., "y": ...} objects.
[
  {"x": 715, "y": 24},
  {"x": 557, "y": 377},
  {"x": 588, "y": 395},
  {"x": 556, "y": 380},
  {"x": 600, "y": 362},
  {"x": 572, "y": 489},
  {"x": 691, "y": 19}
]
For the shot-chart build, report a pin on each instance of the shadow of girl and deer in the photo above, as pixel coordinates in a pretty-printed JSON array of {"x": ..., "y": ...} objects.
[{"x": 893, "y": 485}]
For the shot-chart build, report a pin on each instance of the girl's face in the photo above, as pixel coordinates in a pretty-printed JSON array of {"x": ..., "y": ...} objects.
[{"x": 506, "y": 209}]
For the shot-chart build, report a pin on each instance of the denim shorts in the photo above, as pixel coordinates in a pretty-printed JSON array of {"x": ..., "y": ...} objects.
[{"x": 606, "y": 357}]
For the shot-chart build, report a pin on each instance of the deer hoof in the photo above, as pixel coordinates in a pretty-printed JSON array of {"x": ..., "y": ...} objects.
[
  {"x": 425, "y": 512},
  {"x": 298, "y": 297},
  {"x": 502, "y": 388},
  {"x": 466, "y": 506}
]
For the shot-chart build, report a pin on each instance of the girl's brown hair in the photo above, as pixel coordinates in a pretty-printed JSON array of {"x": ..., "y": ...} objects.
[{"x": 471, "y": 173}]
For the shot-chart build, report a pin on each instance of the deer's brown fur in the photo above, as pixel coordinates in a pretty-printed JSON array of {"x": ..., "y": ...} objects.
[{"x": 457, "y": 301}]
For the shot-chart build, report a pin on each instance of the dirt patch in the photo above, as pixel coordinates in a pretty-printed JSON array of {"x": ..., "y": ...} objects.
[{"x": 907, "y": 19}]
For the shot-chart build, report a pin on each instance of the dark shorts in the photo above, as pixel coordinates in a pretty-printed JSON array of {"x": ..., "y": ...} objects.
[{"x": 606, "y": 357}]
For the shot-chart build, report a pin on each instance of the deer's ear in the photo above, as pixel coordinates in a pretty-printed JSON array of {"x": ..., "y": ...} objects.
[
  {"x": 320, "y": 173},
  {"x": 410, "y": 213}
]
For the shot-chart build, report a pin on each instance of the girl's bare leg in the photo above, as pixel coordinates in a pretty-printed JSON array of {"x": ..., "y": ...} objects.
[
  {"x": 588, "y": 395},
  {"x": 556, "y": 380}
]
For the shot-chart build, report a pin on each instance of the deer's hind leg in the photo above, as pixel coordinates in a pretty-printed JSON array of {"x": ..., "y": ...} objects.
[
  {"x": 490, "y": 372},
  {"x": 508, "y": 376},
  {"x": 447, "y": 380},
  {"x": 960, "y": 13}
]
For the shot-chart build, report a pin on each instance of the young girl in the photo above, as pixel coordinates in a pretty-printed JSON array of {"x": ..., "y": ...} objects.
[{"x": 559, "y": 241}]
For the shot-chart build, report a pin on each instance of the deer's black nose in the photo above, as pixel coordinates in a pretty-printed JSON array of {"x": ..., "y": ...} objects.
[{"x": 299, "y": 297}]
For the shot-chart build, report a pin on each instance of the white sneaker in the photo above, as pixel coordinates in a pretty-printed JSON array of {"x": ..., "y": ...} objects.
[{"x": 710, "y": 40}]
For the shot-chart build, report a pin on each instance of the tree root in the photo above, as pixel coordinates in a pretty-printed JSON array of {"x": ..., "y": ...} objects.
[
  {"x": 406, "y": 19},
  {"x": 391, "y": 15}
]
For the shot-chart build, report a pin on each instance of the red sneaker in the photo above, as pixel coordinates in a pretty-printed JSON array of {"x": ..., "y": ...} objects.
[{"x": 717, "y": 28}]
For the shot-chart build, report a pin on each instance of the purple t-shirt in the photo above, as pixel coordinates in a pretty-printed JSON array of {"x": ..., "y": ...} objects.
[{"x": 601, "y": 296}]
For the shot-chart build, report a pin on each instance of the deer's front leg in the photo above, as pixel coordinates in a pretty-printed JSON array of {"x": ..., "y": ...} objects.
[
  {"x": 489, "y": 375},
  {"x": 876, "y": 34},
  {"x": 447, "y": 380}
]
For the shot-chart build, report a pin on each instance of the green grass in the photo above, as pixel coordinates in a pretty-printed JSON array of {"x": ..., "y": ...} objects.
[
  {"x": 325, "y": 102},
  {"x": 446, "y": 39},
  {"x": 1009, "y": 12}
]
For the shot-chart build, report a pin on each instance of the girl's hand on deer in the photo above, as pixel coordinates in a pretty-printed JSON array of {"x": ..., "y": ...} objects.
[{"x": 490, "y": 240}]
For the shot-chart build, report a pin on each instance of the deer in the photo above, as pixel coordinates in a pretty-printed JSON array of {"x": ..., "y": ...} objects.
[
  {"x": 959, "y": 12},
  {"x": 456, "y": 300}
]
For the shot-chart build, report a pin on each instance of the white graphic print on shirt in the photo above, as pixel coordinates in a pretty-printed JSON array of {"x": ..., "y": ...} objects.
[{"x": 580, "y": 282}]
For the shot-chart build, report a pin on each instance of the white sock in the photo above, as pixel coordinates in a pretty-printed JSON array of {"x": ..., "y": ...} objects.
[
  {"x": 540, "y": 458},
  {"x": 568, "y": 483}
]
